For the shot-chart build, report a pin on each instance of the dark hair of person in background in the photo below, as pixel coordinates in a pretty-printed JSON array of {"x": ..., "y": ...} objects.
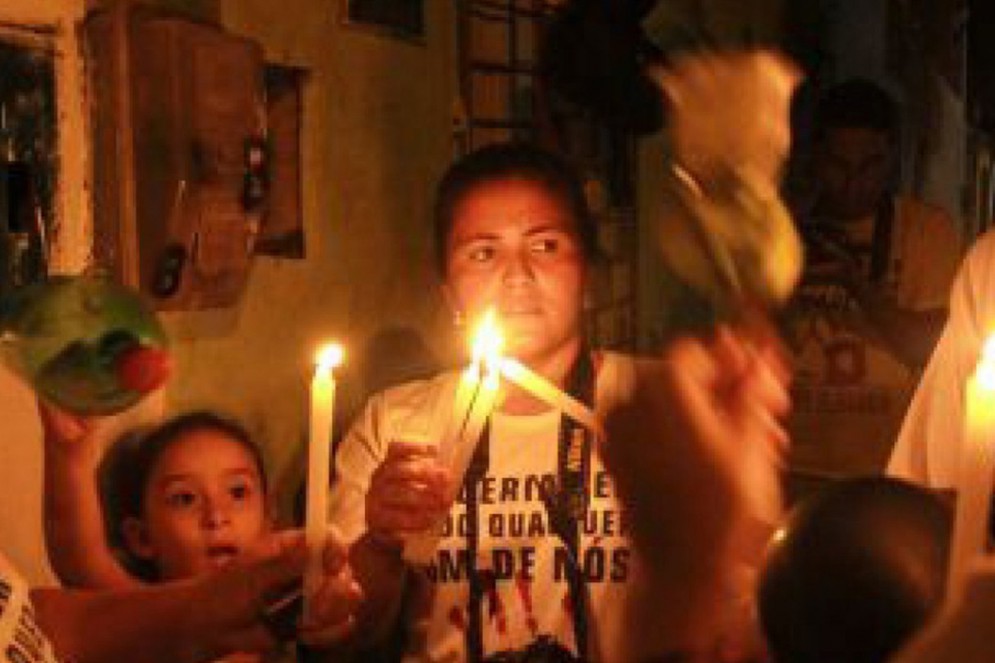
[
  {"x": 857, "y": 103},
  {"x": 128, "y": 467},
  {"x": 518, "y": 161}
]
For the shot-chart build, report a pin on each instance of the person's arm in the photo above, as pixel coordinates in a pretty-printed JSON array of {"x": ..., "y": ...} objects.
[
  {"x": 382, "y": 489},
  {"x": 201, "y": 619},
  {"x": 75, "y": 537},
  {"x": 695, "y": 457},
  {"x": 408, "y": 493}
]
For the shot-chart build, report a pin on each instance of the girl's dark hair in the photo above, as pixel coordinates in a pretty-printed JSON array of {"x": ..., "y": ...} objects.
[
  {"x": 502, "y": 161},
  {"x": 128, "y": 468},
  {"x": 137, "y": 462}
]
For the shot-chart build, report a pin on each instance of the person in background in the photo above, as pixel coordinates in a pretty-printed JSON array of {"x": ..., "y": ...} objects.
[{"x": 873, "y": 295}]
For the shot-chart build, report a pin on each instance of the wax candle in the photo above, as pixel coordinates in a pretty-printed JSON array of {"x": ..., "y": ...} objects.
[
  {"x": 475, "y": 398},
  {"x": 319, "y": 460},
  {"x": 518, "y": 373},
  {"x": 466, "y": 391},
  {"x": 483, "y": 406},
  {"x": 974, "y": 489}
]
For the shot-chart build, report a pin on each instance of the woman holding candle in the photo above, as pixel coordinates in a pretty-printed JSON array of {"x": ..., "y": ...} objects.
[
  {"x": 535, "y": 558},
  {"x": 513, "y": 233}
]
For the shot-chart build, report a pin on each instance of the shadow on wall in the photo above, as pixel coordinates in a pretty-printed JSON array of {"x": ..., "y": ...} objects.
[{"x": 394, "y": 355}]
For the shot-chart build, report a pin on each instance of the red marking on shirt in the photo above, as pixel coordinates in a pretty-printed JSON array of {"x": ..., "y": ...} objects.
[
  {"x": 524, "y": 586},
  {"x": 568, "y": 606},
  {"x": 495, "y": 608},
  {"x": 456, "y": 618}
]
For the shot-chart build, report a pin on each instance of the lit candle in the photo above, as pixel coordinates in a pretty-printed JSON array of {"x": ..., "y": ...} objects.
[
  {"x": 319, "y": 460},
  {"x": 487, "y": 345},
  {"x": 518, "y": 373},
  {"x": 974, "y": 489},
  {"x": 476, "y": 396},
  {"x": 465, "y": 391}
]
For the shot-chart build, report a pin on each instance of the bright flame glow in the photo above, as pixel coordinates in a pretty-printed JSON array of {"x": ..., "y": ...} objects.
[
  {"x": 488, "y": 341},
  {"x": 986, "y": 366},
  {"x": 330, "y": 356}
]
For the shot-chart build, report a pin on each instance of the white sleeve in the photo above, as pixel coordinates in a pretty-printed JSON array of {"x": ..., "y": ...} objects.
[
  {"x": 358, "y": 456},
  {"x": 928, "y": 447}
]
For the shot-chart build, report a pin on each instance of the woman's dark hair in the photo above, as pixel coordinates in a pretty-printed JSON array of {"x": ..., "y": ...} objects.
[
  {"x": 128, "y": 468},
  {"x": 503, "y": 161}
]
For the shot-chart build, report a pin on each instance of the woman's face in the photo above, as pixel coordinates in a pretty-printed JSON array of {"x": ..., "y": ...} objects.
[
  {"x": 513, "y": 246},
  {"x": 204, "y": 505}
]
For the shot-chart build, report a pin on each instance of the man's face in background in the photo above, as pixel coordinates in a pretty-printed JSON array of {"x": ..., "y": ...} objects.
[{"x": 854, "y": 168}]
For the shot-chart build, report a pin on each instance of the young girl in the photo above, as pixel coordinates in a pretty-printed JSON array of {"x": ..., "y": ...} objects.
[{"x": 191, "y": 495}]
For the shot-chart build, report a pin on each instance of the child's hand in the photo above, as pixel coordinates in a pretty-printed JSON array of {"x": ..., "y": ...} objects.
[
  {"x": 70, "y": 435},
  {"x": 408, "y": 492},
  {"x": 231, "y": 603},
  {"x": 334, "y": 605}
]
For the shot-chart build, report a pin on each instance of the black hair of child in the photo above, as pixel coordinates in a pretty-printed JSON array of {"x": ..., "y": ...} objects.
[
  {"x": 128, "y": 468},
  {"x": 511, "y": 161}
]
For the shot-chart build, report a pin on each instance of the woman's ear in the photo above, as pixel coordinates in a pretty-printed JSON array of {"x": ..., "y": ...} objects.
[{"x": 136, "y": 538}]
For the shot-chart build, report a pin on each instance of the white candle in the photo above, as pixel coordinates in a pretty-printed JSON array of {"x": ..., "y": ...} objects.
[
  {"x": 974, "y": 489},
  {"x": 319, "y": 461},
  {"x": 483, "y": 406},
  {"x": 466, "y": 390},
  {"x": 518, "y": 373},
  {"x": 474, "y": 401}
]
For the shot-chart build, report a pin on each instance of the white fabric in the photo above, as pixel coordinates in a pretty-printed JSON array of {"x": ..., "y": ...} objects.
[
  {"x": 850, "y": 390},
  {"x": 961, "y": 633},
  {"x": 928, "y": 447},
  {"x": 21, "y": 641},
  {"x": 530, "y": 596}
]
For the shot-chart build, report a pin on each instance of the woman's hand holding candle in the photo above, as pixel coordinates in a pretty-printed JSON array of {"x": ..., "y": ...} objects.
[{"x": 409, "y": 492}]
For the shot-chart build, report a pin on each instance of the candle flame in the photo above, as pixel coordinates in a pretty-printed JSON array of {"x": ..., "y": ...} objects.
[
  {"x": 488, "y": 341},
  {"x": 330, "y": 356},
  {"x": 986, "y": 365}
]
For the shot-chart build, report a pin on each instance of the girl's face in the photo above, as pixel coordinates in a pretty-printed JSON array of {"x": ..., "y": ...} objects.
[
  {"x": 513, "y": 245},
  {"x": 204, "y": 504}
]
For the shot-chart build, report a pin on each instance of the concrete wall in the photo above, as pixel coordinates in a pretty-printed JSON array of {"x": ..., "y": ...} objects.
[
  {"x": 376, "y": 137},
  {"x": 20, "y": 448}
]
